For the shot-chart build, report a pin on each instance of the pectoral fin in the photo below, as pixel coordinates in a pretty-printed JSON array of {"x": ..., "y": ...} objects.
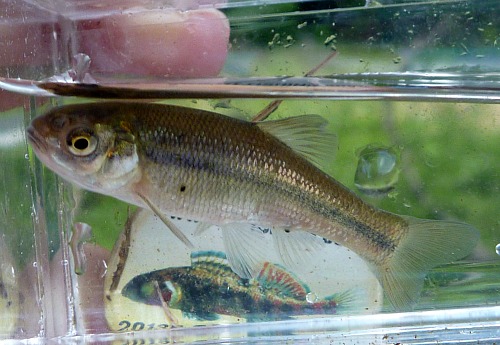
[{"x": 175, "y": 230}]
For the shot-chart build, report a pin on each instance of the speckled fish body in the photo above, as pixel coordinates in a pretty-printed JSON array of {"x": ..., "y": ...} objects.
[
  {"x": 209, "y": 287},
  {"x": 208, "y": 167}
]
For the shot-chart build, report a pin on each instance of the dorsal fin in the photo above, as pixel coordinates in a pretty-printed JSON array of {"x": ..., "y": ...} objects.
[
  {"x": 214, "y": 262},
  {"x": 208, "y": 256},
  {"x": 306, "y": 135},
  {"x": 274, "y": 277}
]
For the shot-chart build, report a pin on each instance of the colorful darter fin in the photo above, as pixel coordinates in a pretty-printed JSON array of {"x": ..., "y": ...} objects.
[
  {"x": 175, "y": 230},
  {"x": 296, "y": 248},
  {"x": 306, "y": 135},
  {"x": 277, "y": 278},
  {"x": 244, "y": 246},
  {"x": 343, "y": 301},
  {"x": 209, "y": 255},
  {"x": 214, "y": 262}
]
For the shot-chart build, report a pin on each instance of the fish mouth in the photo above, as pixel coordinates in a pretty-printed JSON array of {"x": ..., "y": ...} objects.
[{"x": 35, "y": 140}]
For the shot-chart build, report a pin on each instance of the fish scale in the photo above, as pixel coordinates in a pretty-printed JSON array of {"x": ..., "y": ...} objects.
[
  {"x": 219, "y": 170},
  {"x": 247, "y": 170}
]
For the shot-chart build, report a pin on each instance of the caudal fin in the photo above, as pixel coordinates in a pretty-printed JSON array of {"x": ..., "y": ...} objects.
[{"x": 429, "y": 243}]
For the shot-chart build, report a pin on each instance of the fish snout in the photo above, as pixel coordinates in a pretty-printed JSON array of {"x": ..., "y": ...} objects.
[
  {"x": 35, "y": 139},
  {"x": 31, "y": 132},
  {"x": 31, "y": 135}
]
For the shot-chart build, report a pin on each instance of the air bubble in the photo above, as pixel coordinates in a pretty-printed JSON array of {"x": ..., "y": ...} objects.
[
  {"x": 497, "y": 249},
  {"x": 311, "y": 297},
  {"x": 377, "y": 170}
]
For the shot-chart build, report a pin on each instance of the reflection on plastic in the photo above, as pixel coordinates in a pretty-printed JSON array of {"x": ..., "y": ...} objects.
[
  {"x": 82, "y": 232},
  {"x": 9, "y": 292},
  {"x": 79, "y": 72}
]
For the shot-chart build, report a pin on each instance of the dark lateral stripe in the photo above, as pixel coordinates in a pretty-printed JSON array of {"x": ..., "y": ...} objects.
[
  {"x": 372, "y": 235},
  {"x": 212, "y": 163}
]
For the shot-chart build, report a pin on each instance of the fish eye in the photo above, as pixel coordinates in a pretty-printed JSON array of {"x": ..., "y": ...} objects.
[
  {"x": 81, "y": 143},
  {"x": 171, "y": 292}
]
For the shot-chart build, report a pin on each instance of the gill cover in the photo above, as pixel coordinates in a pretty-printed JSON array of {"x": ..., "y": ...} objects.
[{"x": 120, "y": 164}]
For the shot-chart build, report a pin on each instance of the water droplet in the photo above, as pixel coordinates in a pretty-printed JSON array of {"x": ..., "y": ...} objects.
[
  {"x": 497, "y": 249},
  {"x": 431, "y": 161},
  {"x": 311, "y": 297},
  {"x": 393, "y": 194},
  {"x": 377, "y": 170}
]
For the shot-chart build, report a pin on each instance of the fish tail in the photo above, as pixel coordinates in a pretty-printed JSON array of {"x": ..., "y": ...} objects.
[
  {"x": 342, "y": 301},
  {"x": 337, "y": 303},
  {"x": 429, "y": 243}
]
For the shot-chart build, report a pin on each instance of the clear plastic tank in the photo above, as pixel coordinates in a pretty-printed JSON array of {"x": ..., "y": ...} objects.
[{"x": 410, "y": 90}]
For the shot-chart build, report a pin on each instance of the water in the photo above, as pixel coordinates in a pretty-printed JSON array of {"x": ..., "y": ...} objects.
[
  {"x": 414, "y": 87},
  {"x": 423, "y": 131}
]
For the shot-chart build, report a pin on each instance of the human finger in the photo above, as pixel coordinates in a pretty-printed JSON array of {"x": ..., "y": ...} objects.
[{"x": 157, "y": 43}]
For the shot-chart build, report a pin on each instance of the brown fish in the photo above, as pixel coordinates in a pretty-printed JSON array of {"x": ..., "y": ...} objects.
[{"x": 219, "y": 170}]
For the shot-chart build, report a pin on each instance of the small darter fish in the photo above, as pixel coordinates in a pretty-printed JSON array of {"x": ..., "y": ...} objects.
[
  {"x": 209, "y": 287},
  {"x": 219, "y": 170}
]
